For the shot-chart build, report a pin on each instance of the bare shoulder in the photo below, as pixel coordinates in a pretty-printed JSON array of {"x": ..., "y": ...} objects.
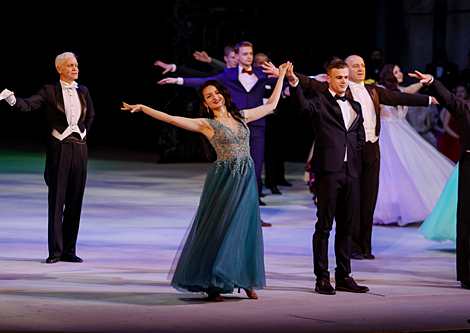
[{"x": 207, "y": 129}]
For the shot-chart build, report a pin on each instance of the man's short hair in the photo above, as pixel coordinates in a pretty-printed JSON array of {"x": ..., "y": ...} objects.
[
  {"x": 228, "y": 49},
  {"x": 337, "y": 63},
  {"x": 61, "y": 57},
  {"x": 239, "y": 45}
]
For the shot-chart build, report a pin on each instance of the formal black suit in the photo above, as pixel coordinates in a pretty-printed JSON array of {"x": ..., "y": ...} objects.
[
  {"x": 336, "y": 181},
  {"x": 460, "y": 110},
  {"x": 66, "y": 166},
  {"x": 369, "y": 157}
]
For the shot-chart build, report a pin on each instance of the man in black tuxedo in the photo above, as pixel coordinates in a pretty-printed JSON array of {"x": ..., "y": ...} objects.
[
  {"x": 370, "y": 97},
  {"x": 459, "y": 108},
  {"x": 339, "y": 135},
  {"x": 69, "y": 114}
]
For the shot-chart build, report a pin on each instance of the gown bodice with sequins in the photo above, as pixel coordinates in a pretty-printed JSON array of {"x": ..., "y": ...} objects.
[{"x": 231, "y": 146}]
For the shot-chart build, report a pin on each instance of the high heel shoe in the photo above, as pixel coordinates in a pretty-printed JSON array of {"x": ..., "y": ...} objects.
[
  {"x": 215, "y": 297},
  {"x": 251, "y": 294}
]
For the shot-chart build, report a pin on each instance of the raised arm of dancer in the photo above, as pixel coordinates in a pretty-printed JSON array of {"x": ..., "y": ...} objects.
[
  {"x": 191, "y": 124},
  {"x": 167, "y": 67},
  {"x": 204, "y": 57},
  {"x": 270, "y": 69},
  {"x": 271, "y": 104},
  {"x": 412, "y": 88}
]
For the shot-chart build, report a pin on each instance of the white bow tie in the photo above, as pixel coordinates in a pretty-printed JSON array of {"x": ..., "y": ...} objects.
[
  {"x": 69, "y": 86},
  {"x": 359, "y": 86}
]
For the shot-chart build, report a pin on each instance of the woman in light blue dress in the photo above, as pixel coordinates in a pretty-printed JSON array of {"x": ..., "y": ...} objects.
[
  {"x": 441, "y": 224},
  {"x": 223, "y": 249}
]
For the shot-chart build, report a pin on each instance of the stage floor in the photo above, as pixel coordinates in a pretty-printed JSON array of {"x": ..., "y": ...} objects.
[{"x": 135, "y": 214}]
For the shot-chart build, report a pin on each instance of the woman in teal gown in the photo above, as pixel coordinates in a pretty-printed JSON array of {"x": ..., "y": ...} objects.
[
  {"x": 441, "y": 224},
  {"x": 223, "y": 248}
]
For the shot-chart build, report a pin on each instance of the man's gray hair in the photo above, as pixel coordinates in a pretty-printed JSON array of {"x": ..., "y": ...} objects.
[{"x": 62, "y": 57}]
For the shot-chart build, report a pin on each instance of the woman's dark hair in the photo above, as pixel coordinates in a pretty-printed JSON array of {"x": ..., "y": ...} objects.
[
  {"x": 206, "y": 112},
  {"x": 387, "y": 78}
]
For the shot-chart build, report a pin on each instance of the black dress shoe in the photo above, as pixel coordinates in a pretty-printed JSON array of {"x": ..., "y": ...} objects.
[
  {"x": 348, "y": 284},
  {"x": 73, "y": 258},
  {"x": 323, "y": 286},
  {"x": 265, "y": 224},
  {"x": 284, "y": 183},
  {"x": 261, "y": 203},
  {"x": 52, "y": 260},
  {"x": 369, "y": 256},
  {"x": 357, "y": 256},
  {"x": 275, "y": 190},
  {"x": 465, "y": 284}
]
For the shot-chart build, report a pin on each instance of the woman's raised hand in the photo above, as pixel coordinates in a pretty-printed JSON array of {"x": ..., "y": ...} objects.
[{"x": 283, "y": 68}]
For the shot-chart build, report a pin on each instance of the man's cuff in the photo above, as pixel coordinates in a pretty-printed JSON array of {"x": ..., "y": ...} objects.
[
  {"x": 295, "y": 84},
  {"x": 430, "y": 81},
  {"x": 11, "y": 100},
  {"x": 180, "y": 81},
  {"x": 430, "y": 100},
  {"x": 173, "y": 68}
]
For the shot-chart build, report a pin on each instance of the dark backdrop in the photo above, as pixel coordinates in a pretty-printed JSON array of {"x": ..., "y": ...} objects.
[{"x": 117, "y": 46}]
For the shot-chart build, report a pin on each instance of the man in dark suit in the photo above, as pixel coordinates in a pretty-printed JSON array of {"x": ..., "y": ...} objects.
[
  {"x": 459, "y": 108},
  {"x": 69, "y": 114},
  {"x": 339, "y": 135},
  {"x": 370, "y": 97},
  {"x": 247, "y": 84}
]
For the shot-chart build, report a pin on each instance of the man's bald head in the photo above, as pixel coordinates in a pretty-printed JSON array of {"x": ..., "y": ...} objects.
[{"x": 357, "y": 68}]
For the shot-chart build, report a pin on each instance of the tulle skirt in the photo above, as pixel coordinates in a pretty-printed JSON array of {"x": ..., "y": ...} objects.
[
  {"x": 412, "y": 175},
  {"x": 441, "y": 224},
  {"x": 223, "y": 248}
]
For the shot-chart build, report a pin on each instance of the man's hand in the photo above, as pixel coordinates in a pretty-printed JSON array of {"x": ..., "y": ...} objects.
[
  {"x": 321, "y": 77},
  {"x": 270, "y": 69},
  {"x": 167, "y": 67},
  {"x": 424, "y": 78},
  {"x": 168, "y": 80},
  {"x": 202, "y": 56},
  {"x": 5, "y": 94},
  {"x": 290, "y": 74}
]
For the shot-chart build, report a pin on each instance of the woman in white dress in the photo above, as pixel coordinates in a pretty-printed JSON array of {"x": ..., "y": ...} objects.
[{"x": 412, "y": 172}]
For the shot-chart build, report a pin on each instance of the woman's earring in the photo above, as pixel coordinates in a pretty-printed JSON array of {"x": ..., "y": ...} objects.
[{"x": 207, "y": 109}]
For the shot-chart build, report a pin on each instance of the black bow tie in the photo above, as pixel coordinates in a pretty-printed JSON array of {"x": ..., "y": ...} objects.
[{"x": 343, "y": 98}]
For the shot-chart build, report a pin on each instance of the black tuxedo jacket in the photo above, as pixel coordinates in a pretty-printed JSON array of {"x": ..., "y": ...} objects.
[
  {"x": 55, "y": 109},
  {"x": 331, "y": 135},
  {"x": 459, "y": 108},
  {"x": 378, "y": 94}
]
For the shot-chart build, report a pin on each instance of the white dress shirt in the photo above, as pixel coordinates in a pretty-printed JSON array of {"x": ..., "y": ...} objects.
[
  {"x": 248, "y": 81},
  {"x": 361, "y": 95},
  {"x": 73, "y": 111},
  {"x": 348, "y": 115}
]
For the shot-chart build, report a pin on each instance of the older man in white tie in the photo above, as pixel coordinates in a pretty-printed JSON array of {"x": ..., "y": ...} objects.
[{"x": 69, "y": 115}]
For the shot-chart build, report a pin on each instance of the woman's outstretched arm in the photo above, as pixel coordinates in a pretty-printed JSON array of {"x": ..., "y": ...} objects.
[
  {"x": 195, "y": 125},
  {"x": 271, "y": 104}
]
